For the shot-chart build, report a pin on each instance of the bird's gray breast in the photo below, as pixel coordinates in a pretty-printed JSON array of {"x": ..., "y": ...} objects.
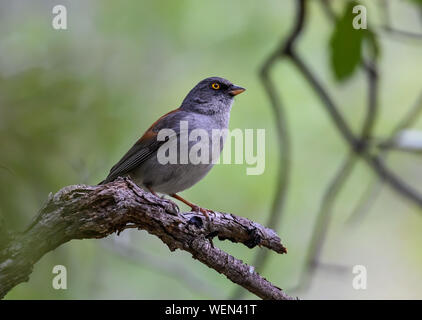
[{"x": 201, "y": 139}]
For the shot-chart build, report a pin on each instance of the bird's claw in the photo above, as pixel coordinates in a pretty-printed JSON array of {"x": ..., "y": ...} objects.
[
  {"x": 171, "y": 207},
  {"x": 204, "y": 211}
]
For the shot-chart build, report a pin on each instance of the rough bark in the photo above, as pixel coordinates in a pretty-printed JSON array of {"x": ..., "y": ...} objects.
[{"x": 82, "y": 212}]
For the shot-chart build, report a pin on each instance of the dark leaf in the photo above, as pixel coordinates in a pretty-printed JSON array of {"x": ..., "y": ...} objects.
[
  {"x": 417, "y": 2},
  {"x": 346, "y": 44}
]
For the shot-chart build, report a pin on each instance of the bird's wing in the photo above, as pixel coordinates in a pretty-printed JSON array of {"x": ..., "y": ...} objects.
[{"x": 146, "y": 146}]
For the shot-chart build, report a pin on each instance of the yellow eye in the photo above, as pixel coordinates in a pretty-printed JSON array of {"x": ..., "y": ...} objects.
[{"x": 215, "y": 86}]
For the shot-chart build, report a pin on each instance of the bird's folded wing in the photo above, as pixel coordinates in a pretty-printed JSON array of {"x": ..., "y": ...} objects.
[
  {"x": 148, "y": 144},
  {"x": 140, "y": 151}
]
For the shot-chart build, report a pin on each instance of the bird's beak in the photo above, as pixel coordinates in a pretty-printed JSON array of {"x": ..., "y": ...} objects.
[{"x": 235, "y": 90}]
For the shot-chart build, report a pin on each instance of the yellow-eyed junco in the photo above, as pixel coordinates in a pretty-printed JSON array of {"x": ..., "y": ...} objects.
[{"x": 207, "y": 107}]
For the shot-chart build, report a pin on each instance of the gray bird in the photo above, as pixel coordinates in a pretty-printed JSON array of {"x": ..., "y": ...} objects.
[{"x": 206, "y": 107}]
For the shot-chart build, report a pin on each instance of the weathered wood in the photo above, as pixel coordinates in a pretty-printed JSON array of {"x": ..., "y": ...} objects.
[{"x": 82, "y": 212}]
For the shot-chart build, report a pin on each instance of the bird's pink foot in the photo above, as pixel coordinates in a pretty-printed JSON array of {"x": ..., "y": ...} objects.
[{"x": 204, "y": 211}]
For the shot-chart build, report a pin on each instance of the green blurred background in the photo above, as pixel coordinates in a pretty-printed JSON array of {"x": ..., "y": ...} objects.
[{"x": 72, "y": 102}]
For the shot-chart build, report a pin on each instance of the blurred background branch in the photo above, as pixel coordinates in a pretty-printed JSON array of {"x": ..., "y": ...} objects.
[
  {"x": 283, "y": 145},
  {"x": 388, "y": 27},
  {"x": 357, "y": 145},
  {"x": 360, "y": 146},
  {"x": 163, "y": 266},
  {"x": 374, "y": 187}
]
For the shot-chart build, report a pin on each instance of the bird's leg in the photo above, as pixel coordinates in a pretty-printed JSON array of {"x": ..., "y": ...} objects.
[
  {"x": 194, "y": 207},
  {"x": 173, "y": 207},
  {"x": 152, "y": 191}
]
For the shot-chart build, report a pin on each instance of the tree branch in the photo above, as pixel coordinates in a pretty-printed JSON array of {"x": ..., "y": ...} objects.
[
  {"x": 81, "y": 212},
  {"x": 373, "y": 190},
  {"x": 375, "y": 162},
  {"x": 324, "y": 215},
  {"x": 164, "y": 267},
  {"x": 387, "y": 26}
]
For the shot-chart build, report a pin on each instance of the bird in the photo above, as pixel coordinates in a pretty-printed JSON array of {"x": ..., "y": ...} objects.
[{"x": 206, "y": 107}]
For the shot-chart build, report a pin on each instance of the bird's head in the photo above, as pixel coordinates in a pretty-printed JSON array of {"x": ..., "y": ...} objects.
[{"x": 211, "y": 95}]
